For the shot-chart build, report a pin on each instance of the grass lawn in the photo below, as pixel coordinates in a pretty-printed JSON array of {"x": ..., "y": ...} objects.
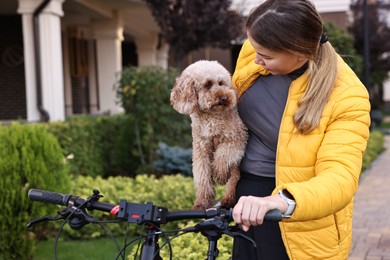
[{"x": 80, "y": 249}]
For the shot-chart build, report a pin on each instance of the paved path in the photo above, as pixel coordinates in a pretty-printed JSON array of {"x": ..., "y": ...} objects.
[{"x": 371, "y": 223}]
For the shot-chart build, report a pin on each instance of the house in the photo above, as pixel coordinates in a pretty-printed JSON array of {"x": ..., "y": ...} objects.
[
  {"x": 62, "y": 57},
  {"x": 80, "y": 46}
]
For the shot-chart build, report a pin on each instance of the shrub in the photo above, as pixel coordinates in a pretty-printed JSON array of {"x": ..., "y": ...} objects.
[
  {"x": 29, "y": 158},
  {"x": 98, "y": 145},
  {"x": 119, "y": 146},
  {"x": 144, "y": 93},
  {"x": 374, "y": 148},
  {"x": 80, "y": 140},
  {"x": 174, "y": 160}
]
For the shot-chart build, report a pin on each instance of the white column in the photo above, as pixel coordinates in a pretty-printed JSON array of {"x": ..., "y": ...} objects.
[
  {"x": 29, "y": 69},
  {"x": 108, "y": 35},
  {"x": 26, "y": 8},
  {"x": 163, "y": 56},
  {"x": 147, "y": 50},
  {"x": 51, "y": 59}
]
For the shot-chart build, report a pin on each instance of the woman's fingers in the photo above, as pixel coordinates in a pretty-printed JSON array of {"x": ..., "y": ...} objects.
[
  {"x": 250, "y": 211},
  {"x": 237, "y": 211}
]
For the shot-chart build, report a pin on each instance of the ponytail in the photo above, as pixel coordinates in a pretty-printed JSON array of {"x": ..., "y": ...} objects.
[{"x": 322, "y": 77}]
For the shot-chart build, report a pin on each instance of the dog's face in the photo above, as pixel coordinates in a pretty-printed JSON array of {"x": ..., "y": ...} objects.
[{"x": 204, "y": 86}]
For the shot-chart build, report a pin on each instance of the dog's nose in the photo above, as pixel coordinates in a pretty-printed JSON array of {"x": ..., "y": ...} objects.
[{"x": 223, "y": 100}]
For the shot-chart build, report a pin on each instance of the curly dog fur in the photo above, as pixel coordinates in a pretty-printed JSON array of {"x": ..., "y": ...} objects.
[{"x": 204, "y": 91}]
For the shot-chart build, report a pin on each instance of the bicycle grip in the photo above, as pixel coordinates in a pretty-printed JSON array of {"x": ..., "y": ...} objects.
[
  {"x": 48, "y": 197},
  {"x": 273, "y": 215}
]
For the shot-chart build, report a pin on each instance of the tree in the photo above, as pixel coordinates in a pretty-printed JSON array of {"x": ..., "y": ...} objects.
[
  {"x": 378, "y": 42},
  {"x": 343, "y": 42},
  {"x": 188, "y": 25}
]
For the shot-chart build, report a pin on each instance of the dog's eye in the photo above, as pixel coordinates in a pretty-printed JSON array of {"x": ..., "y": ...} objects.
[
  {"x": 208, "y": 84},
  {"x": 221, "y": 83}
]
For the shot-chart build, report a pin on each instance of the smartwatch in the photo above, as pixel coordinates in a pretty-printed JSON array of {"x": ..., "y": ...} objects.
[{"x": 286, "y": 196}]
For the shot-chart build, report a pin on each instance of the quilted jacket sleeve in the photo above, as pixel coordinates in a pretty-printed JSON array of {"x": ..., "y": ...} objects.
[{"x": 339, "y": 158}]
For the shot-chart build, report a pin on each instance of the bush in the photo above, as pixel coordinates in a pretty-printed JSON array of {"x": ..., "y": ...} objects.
[
  {"x": 81, "y": 142},
  {"x": 374, "y": 148},
  {"x": 144, "y": 93},
  {"x": 98, "y": 145},
  {"x": 109, "y": 145},
  {"x": 29, "y": 158},
  {"x": 174, "y": 160}
]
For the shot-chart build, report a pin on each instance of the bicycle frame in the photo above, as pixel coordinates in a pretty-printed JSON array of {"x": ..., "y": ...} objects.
[{"x": 150, "y": 249}]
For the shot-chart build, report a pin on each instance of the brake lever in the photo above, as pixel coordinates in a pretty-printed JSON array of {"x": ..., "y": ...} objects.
[
  {"x": 78, "y": 217},
  {"x": 222, "y": 226},
  {"x": 42, "y": 219},
  {"x": 233, "y": 231}
]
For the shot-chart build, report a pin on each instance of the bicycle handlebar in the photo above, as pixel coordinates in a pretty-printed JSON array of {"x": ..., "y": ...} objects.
[
  {"x": 48, "y": 197},
  {"x": 67, "y": 199},
  {"x": 215, "y": 220},
  {"x": 137, "y": 213}
]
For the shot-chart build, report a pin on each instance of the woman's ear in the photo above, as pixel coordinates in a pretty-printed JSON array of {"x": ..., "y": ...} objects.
[
  {"x": 303, "y": 57},
  {"x": 183, "y": 96}
]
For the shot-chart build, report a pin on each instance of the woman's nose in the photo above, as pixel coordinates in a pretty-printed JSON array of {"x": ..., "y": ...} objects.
[{"x": 259, "y": 60}]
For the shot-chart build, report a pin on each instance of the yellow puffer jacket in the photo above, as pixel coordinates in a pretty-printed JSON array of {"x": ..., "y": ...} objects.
[{"x": 321, "y": 169}]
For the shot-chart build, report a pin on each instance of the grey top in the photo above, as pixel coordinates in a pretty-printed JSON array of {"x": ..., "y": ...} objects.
[{"x": 261, "y": 109}]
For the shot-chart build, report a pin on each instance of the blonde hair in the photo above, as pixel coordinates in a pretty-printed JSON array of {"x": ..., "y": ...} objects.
[
  {"x": 296, "y": 26},
  {"x": 322, "y": 77}
]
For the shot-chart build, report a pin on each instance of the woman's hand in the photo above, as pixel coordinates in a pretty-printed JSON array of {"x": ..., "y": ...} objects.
[{"x": 250, "y": 210}]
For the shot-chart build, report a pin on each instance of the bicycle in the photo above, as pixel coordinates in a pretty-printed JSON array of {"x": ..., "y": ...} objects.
[{"x": 215, "y": 221}]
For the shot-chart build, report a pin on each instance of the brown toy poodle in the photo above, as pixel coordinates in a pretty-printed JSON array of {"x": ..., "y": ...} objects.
[{"x": 205, "y": 92}]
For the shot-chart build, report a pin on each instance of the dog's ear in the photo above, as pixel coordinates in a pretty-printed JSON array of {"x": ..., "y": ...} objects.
[{"x": 183, "y": 95}]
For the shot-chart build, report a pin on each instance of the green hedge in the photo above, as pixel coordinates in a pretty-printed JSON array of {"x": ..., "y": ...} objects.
[
  {"x": 375, "y": 146},
  {"x": 113, "y": 145},
  {"x": 30, "y": 157},
  {"x": 98, "y": 146}
]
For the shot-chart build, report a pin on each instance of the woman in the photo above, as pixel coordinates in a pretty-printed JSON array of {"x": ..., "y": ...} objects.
[{"x": 308, "y": 120}]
